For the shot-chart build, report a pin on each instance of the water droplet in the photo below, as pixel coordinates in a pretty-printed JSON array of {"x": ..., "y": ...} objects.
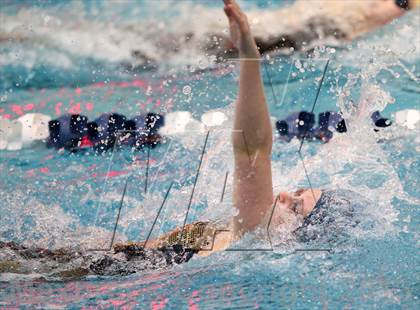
[
  {"x": 149, "y": 91},
  {"x": 186, "y": 90},
  {"x": 202, "y": 65}
]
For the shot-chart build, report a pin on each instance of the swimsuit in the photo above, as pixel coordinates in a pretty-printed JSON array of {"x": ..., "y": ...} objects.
[{"x": 127, "y": 258}]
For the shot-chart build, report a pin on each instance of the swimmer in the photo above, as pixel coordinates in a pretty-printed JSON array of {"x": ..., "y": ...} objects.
[
  {"x": 253, "y": 193},
  {"x": 298, "y": 213},
  {"x": 305, "y": 23}
]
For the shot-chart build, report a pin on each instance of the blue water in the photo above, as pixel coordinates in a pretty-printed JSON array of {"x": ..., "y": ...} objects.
[{"x": 51, "y": 198}]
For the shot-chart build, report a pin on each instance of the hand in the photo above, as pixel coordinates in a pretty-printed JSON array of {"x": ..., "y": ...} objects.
[{"x": 240, "y": 32}]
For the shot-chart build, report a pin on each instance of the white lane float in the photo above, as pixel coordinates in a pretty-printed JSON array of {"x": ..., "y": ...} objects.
[
  {"x": 182, "y": 126},
  {"x": 409, "y": 118},
  {"x": 24, "y": 131},
  {"x": 34, "y": 128},
  {"x": 10, "y": 133},
  {"x": 180, "y": 122},
  {"x": 213, "y": 118}
]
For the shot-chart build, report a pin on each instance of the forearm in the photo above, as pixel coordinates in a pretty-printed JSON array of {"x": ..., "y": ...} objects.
[{"x": 253, "y": 132}]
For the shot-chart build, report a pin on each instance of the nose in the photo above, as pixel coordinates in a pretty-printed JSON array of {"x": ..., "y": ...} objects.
[{"x": 285, "y": 198}]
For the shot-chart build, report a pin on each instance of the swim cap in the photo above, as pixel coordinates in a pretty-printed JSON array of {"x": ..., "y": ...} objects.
[{"x": 334, "y": 214}]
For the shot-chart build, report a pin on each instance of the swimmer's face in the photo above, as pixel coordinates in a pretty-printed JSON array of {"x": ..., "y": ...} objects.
[{"x": 300, "y": 202}]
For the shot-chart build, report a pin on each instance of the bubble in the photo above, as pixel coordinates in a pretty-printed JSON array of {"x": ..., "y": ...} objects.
[
  {"x": 186, "y": 90},
  {"x": 202, "y": 65},
  {"x": 213, "y": 59},
  {"x": 301, "y": 122},
  {"x": 331, "y": 50},
  {"x": 149, "y": 91}
]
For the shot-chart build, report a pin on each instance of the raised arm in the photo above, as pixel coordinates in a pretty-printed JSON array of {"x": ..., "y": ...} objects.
[{"x": 252, "y": 136}]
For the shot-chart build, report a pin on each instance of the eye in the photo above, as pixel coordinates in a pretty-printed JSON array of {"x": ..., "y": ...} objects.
[
  {"x": 299, "y": 191},
  {"x": 294, "y": 207},
  {"x": 297, "y": 206}
]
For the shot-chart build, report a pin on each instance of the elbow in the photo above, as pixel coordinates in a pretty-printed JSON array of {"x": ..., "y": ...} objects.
[{"x": 243, "y": 143}]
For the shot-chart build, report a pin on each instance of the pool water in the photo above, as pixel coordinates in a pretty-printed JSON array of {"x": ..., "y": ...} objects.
[{"x": 52, "y": 199}]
